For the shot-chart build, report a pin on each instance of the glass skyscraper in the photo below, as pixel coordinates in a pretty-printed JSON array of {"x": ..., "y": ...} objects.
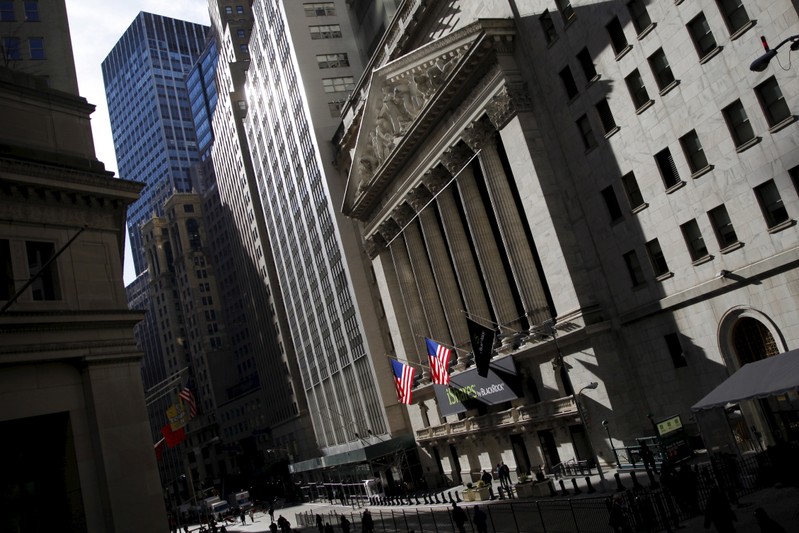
[{"x": 151, "y": 120}]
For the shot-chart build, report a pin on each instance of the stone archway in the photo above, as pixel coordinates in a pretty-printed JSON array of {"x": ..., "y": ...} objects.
[{"x": 745, "y": 336}]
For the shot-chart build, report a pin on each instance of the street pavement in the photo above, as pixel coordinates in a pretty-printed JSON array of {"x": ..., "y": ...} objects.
[{"x": 781, "y": 504}]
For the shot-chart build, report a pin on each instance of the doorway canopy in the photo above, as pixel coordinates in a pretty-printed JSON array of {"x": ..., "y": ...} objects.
[{"x": 772, "y": 376}]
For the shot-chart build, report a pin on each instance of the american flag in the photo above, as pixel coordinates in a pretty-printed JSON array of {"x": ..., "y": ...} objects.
[
  {"x": 439, "y": 362},
  {"x": 188, "y": 398},
  {"x": 403, "y": 380}
]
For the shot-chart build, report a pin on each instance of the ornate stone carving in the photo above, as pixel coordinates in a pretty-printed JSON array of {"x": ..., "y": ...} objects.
[
  {"x": 480, "y": 134},
  {"x": 403, "y": 214},
  {"x": 419, "y": 198},
  {"x": 501, "y": 109},
  {"x": 436, "y": 179},
  {"x": 374, "y": 244},
  {"x": 388, "y": 229},
  {"x": 456, "y": 157}
]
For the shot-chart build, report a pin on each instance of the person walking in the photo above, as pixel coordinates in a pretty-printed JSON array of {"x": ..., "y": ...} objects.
[
  {"x": 480, "y": 519},
  {"x": 272, "y": 514},
  {"x": 648, "y": 458},
  {"x": 459, "y": 517},
  {"x": 345, "y": 524},
  {"x": 329, "y": 528},
  {"x": 367, "y": 525},
  {"x": 719, "y": 513},
  {"x": 487, "y": 479},
  {"x": 319, "y": 525}
]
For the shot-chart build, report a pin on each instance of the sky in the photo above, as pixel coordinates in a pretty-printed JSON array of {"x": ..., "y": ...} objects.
[{"x": 95, "y": 26}]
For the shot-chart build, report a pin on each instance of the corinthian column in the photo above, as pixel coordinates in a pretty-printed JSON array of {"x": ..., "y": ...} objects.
[
  {"x": 447, "y": 285},
  {"x": 423, "y": 274},
  {"x": 488, "y": 253},
  {"x": 410, "y": 295},
  {"x": 482, "y": 136},
  {"x": 463, "y": 260}
]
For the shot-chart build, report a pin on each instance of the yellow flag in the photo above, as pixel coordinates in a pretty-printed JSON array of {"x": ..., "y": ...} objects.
[{"x": 176, "y": 416}]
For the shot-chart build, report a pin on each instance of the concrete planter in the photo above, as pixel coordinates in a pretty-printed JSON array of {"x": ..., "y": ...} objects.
[{"x": 530, "y": 489}]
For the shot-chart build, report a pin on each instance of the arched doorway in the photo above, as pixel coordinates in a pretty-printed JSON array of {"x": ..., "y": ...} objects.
[{"x": 750, "y": 336}]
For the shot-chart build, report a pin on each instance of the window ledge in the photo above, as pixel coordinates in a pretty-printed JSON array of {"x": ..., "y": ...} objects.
[
  {"x": 781, "y": 226},
  {"x": 710, "y": 55},
  {"x": 624, "y": 51},
  {"x": 782, "y": 124},
  {"x": 677, "y": 2},
  {"x": 701, "y": 172},
  {"x": 664, "y": 276},
  {"x": 644, "y": 107},
  {"x": 593, "y": 80},
  {"x": 743, "y": 29},
  {"x": 669, "y": 87},
  {"x": 646, "y": 31},
  {"x": 748, "y": 144},
  {"x": 702, "y": 260},
  {"x": 731, "y": 247},
  {"x": 569, "y": 21},
  {"x": 612, "y": 132},
  {"x": 679, "y": 185},
  {"x": 637, "y": 209}
]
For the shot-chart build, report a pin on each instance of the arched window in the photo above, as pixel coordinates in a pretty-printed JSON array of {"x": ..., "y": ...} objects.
[{"x": 752, "y": 341}]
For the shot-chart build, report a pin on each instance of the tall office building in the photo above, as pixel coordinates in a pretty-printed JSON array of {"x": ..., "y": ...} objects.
[
  {"x": 610, "y": 188},
  {"x": 273, "y": 159},
  {"x": 151, "y": 119}
]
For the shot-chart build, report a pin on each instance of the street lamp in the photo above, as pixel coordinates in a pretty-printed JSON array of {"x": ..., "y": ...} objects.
[
  {"x": 760, "y": 64},
  {"x": 590, "y": 386}
]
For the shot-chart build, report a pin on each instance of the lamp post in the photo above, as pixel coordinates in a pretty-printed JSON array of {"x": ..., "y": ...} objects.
[
  {"x": 760, "y": 64},
  {"x": 610, "y": 440},
  {"x": 590, "y": 386}
]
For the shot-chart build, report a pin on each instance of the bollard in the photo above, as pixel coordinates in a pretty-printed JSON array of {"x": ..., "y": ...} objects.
[
  {"x": 563, "y": 491},
  {"x": 417, "y": 500},
  {"x": 551, "y": 488},
  {"x": 436, "y": 495},
  {"x": 575, "y": 487},
  {"x": 501, "y": 492},
  {"x": 619, "y": 486},
  {"x": 652, "y": 481},
  {"x": 636, "y": 483},
  {"x": 449, "y": 495},
  {"x": 458, "y": 497},
  {"x": 588, "y": 484}
]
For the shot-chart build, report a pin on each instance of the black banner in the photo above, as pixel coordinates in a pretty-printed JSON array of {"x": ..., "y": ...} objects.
[
  {"x": 468, "y": 389},
  {"x": 482, "y": 345}
]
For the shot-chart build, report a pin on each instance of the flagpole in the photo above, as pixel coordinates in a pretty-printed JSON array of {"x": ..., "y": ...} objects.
[
  {"x": 409, "y": 363},
  {"x": 443, "y": 344},
  {"x": 497, "y": 324}
]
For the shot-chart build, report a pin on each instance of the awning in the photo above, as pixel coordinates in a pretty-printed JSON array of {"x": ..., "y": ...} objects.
[{"x": 768, "y": 377}]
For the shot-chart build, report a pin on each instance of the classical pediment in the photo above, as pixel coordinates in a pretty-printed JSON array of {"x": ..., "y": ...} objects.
[{"x": 406, "y": 99}]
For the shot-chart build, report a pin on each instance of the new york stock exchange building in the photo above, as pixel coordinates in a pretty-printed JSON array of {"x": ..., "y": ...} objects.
[{"x": 505, "y": 169}]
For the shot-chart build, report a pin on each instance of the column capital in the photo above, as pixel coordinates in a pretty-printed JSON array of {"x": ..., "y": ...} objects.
[
  {"x": 374, "y": 244},
  {"x": 419, "y": 197},
  {"x": 456, "y": 157},
  {"x": 480, "y": 134},
  {"x": 388, "y": 229},
  {"x": 436, "y": 179},
  {"x": 403, "y": 214}
]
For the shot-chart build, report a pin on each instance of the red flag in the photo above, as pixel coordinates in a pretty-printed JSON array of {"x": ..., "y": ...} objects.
[{"x": 173, "y": 438}]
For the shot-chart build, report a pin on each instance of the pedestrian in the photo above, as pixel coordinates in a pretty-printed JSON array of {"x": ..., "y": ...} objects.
[
  {"x": 319, "y": 525},
  {"x": 480, "y": 519},
  {"x": 252, "y": 515},
  {"x": 283, "y": 524},
  {"x": 273, "y": 527},
  {"x": 329, "y": 528},
  {"x": 243, "y": 516},
  {"x": 459, "y": 517},
  {"x": 272, "y": 514},
  {"x": 647, "y": 457},
  {"x": 486, "y": 478},
  {"x": 345, "y": 524},
  {"x": 766, "y": 523},
  {"x": 719, "y": 513},
  {"x": 367, "y": 525},
  {"x": 619, "y": 519},
  {"x": 505, "y": 477}
]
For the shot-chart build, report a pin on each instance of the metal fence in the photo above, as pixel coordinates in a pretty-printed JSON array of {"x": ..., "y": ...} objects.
[{"x": 676, "y": 495}]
